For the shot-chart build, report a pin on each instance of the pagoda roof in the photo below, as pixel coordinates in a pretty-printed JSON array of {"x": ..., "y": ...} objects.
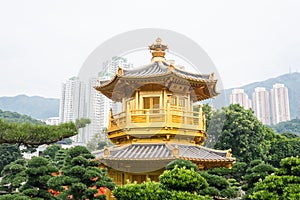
[
  {"x": 159, "y": 68},
  {"x": 157, "y": 72},
  {"x": 162, "y": 151}
]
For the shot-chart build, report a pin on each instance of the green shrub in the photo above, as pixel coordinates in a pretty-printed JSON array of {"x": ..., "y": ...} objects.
[
  {"x": 153, "y": 191},
  {"x": 182, "y": 163},
  {"x": 182, "y": 179}
]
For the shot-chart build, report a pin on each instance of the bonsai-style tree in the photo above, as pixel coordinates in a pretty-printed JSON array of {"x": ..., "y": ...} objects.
[
  {"x": 32, "y": 135},
  {"x": 284, "y": 184},
  {"x": 14, "y": 175},
  {"x": 80, "y": 178},
  {"x": 38, "y": 172}
]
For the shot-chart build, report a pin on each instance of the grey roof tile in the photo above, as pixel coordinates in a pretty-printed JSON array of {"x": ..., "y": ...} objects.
[
  {"x": 159, "y": 68},
  {"x": 162, "y": 151},
  {"x": 154, "y": 68}
]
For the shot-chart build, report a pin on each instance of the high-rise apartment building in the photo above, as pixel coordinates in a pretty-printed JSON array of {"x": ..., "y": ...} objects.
[
  {"x": 82, "y": 100},
  {"x": 238, "y": 96},
  {"x": 72, "y": 104},
  {"x": 98, "y": 105},
  {"x": 280, "y": 103},
  {"x": 261, "y": 105},
  {"x": 97, "y": 110},
  {"x": 72, "y": 100}
]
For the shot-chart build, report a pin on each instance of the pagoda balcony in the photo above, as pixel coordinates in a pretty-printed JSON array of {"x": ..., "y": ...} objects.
[{"x": 171, "y": 117}]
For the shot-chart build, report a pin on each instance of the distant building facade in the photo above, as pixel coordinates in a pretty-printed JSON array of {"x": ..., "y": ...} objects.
[
  {"x": 72, "y": 104},
  {"x": 261, "y": 105},
  {"x": 72, "y": 100},
  {"x": 98, "y": 105},
  {"x": 52, "y": 121},
  {"x": 280, "y": 103},
  {"x": 80, "y": 100},
  {"x": 238, "y": 96}
]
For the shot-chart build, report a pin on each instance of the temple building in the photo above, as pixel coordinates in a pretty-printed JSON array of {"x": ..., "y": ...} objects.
[{"x": 161, "y": 120}]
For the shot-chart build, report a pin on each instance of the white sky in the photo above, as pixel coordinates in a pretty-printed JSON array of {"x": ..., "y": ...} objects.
[{"x": 43, "y": 43}]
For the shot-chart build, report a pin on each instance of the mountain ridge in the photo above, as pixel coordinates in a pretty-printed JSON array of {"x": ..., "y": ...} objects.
[
  {"x": 18, "y": 118},
  {"x": 42, "y": 108},
  {"x": 35, "y": 106},
  {"x": 290, "y": 80}
]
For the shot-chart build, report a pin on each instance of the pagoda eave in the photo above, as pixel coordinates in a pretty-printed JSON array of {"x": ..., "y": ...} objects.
[
  {"x": 164, "y": 151},
  {"x": 120, "y": 85}
]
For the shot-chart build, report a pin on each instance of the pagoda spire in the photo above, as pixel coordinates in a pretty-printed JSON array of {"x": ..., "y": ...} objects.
[{"x": 157, "y": 50}]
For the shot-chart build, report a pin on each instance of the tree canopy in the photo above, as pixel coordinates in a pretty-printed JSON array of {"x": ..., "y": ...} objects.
[
  {"x": 243, "y": 133},
  {"x": 8, "y": 154},
  {"x": 284, "y": 184},
  {"x": 80, "y": 177},
  {"x": 34, "y": 135},
  {"x": 292, "y": 126}
]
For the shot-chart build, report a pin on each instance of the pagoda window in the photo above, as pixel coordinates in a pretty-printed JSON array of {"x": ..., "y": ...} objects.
[
  {"x": 174, "y": 101},
  {"x": 151, "y": 103},
  {"x": 132, "y": 104},
  {"x": 178, "y": 102},
  {"x": 181, "y": 102}
]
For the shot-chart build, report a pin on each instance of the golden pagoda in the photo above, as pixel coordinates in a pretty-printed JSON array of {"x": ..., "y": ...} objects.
[{"x": 159, "y": 121}]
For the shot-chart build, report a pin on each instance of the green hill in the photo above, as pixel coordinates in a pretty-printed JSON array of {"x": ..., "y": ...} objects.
[
  {"x": 35, "y": 106},
  {"x": 292, "y": 126},
  {"x": 291, "y": 81},
  {"x": 18, "y": 118}
]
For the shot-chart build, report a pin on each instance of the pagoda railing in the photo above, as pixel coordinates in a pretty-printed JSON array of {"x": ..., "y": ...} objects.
[{"x": 155, "y": 118}]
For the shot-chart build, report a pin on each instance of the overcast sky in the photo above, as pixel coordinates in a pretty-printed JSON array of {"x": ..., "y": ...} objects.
[{"x": 43, "y": 43}]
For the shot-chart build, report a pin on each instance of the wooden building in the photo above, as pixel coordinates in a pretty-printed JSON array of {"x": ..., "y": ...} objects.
[{"x": 159, "y": 121}]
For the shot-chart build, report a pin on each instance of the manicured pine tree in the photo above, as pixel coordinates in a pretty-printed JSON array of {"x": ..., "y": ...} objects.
[
  {"x": 39, "y": 171},
  {"x": 80, "y": 178},
  {"x": 283, "y": 184},
  {"x": 14, "y": 175}
]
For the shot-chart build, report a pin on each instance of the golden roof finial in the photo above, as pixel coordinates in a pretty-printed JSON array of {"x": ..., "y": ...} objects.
[
  {"x": 158, "y": 50},
  {"x": 158, "y": 40},
  {"x": 158, "y": 46}
]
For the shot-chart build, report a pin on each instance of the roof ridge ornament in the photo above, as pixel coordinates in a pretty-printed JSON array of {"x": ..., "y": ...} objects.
[
  {"x": 157, "y": 50},
  {"x": 120, "y": 71},
  {"x": 158, "y": 46},
  {"x": 211, "y": 76},
  {"x": 175, "y": 151},
  {"x": 106, "y": 151}
]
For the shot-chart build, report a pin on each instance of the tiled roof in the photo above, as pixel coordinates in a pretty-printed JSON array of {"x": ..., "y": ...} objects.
[
  {"x": 194, "y": 152},
  {"x": 154, "y": 68},
  {"x": 202, "y": 86},
  {"x": 159, "y": 68},
  {"x": 162, "y": 151},
  {"x": 191, "y": 75}
]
